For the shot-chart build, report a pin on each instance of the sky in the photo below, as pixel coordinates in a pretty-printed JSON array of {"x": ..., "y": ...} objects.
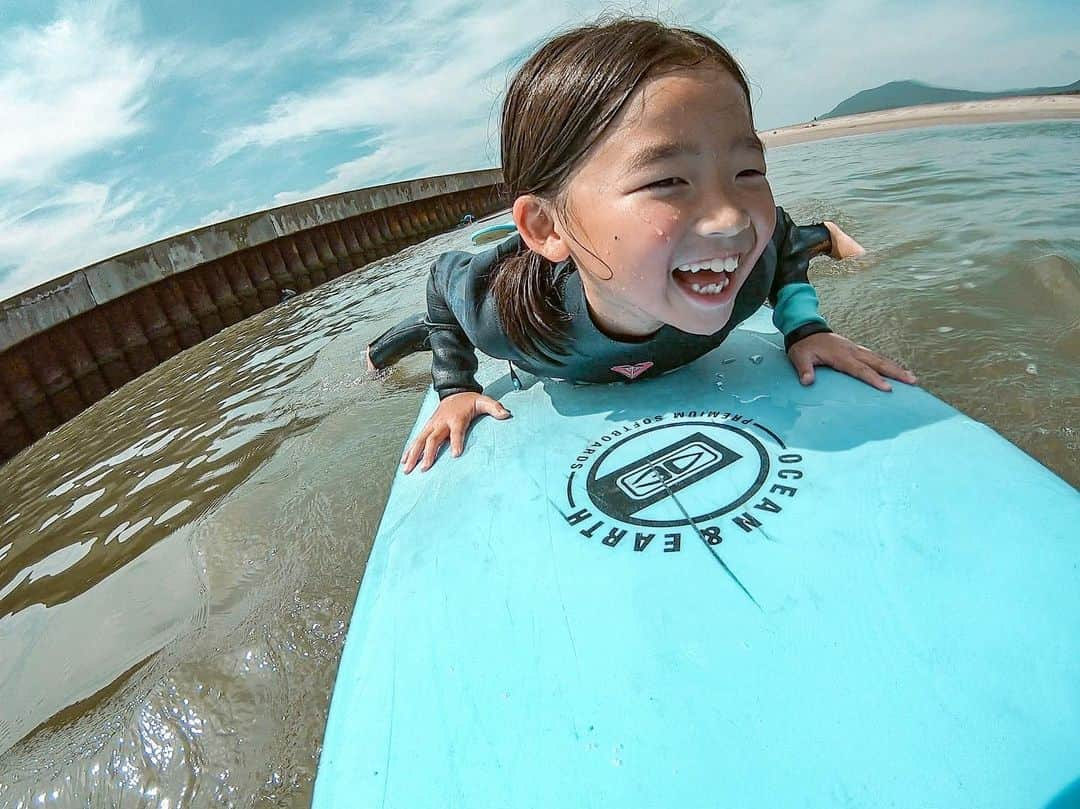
[{"x": 126, "y": 122}]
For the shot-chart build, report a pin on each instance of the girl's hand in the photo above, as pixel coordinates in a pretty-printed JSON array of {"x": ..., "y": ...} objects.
[
  {"x": 843, "y": 246},
  {"x": 843, "y": 355},
  {"x": 451, "y": 419}
]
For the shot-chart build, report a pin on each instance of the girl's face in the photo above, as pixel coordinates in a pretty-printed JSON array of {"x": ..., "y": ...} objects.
[{"x": 670, "y": 210}]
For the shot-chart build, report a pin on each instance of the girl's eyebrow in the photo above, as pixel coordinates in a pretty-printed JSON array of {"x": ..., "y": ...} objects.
[
  {"x": 665, "y": 150},
  {"x": 655, "y": 152}
]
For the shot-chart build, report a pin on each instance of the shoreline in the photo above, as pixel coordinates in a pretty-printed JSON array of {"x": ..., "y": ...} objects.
[{"x": 998, "y": 110}]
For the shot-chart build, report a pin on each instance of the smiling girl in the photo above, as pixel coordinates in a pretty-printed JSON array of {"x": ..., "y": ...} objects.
[{"x": 646, "y": 226}]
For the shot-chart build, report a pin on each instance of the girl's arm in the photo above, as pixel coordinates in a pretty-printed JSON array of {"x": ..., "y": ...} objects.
[
  {"x": 453, "y": 375},
  {"x": 794, "y": 301},
  {"x": 807, "y": 337},
  {"x": 453, "y": 356}
]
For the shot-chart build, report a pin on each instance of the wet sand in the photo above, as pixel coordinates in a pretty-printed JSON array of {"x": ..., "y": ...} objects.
[{"x": 1001, "y": 110}]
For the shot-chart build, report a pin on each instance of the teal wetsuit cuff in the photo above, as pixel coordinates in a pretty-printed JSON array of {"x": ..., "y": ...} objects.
[{"x": 796, "y": 306}]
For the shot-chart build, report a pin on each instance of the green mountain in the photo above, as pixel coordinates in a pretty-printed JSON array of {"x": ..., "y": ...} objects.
[{"x": 910, "y": 93}]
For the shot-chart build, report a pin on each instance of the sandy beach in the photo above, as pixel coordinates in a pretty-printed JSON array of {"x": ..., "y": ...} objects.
[{"x": 1002, "y": 110}]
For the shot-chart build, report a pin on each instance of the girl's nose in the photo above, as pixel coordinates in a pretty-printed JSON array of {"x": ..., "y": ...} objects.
[{"x": 723, "y": 218}]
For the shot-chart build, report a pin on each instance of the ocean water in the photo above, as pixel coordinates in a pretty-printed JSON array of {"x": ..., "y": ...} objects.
[{"x": 178, "y": 563}]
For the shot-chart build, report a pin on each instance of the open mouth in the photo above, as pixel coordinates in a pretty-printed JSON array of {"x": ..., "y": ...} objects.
[{"x": 707, "y": 280}]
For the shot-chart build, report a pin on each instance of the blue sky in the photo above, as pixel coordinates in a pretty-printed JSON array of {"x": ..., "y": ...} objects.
[{"x": 125, "y": 122}]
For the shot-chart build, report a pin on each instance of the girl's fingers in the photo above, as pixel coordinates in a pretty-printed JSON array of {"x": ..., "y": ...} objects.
[
  {"x": 898, "y": 371},
  {"x": 860, "y": 370},
  {"x": 457, "y": 438},
  {"x": 491, "y": 407},
  {"x": 450, "y": 422},
  {"x": 432, "y": 446},
  {"x": 888, "y": 367},
  {"x": 804, "y": 367},
  {"x": 408, "y": 460}
]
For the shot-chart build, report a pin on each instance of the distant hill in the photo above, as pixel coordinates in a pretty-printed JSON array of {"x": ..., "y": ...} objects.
[{"x": 911, "y": 93}]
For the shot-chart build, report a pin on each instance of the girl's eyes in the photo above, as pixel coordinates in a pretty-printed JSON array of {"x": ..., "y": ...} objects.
[
  {"x": 667, "y": 182},
  {"x": 672, "y": 182}
]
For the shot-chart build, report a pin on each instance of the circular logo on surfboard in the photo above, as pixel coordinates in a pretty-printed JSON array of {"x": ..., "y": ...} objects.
[{"x": 686, "y": 473}]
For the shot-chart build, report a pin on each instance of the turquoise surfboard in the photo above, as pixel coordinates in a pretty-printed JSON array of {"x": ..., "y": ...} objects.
[
  {"x": 716, "y": 588},
  {"x": 493, "y": 233}
]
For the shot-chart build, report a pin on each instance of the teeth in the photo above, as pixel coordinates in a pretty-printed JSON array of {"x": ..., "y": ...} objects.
[
  {"x": 710, "y": 289},
  {"x": 716, "y": 265}
]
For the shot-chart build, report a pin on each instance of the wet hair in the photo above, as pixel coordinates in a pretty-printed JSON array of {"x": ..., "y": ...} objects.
[{"x": 558, "y": 106}]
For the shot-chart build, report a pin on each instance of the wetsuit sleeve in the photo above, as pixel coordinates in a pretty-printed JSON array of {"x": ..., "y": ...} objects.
[
  {"x": 453, "y": 356},
  {"x": 794, "y": 301}
]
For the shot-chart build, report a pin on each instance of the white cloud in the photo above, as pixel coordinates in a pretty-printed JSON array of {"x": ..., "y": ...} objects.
[
  {"x": 434, "y": 111},
  {"x": 67, "y": 90},
  {"x": 425, "y": 106},
  {"x": 315, "y": 36},
  {"x": 406, "y": 155},
  {"x": 438, "y": 85},
  {"x": 230, "y": 211},
  {"x": 82, "y": 223}
]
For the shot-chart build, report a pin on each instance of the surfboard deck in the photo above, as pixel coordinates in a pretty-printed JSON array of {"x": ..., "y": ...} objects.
[
  {"x": 493, "y": 233},
  {"x": 715, "y": 588}
]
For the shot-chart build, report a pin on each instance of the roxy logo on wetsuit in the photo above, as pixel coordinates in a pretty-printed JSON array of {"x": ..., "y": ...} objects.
[
  {"x": 632, "y": 372},
  {"x": 685, "y": 475}
]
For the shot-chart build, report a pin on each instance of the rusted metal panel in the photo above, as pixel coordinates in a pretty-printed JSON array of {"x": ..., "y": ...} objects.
[
  {"x": 175, "y": 306},
  {"x": 291, "y": 256},
  {"x": 125, "y": 323},
  {"x": 81, "y": 362},
  {"x": 105, "y": 345},
  {"x": 197, "y": 294},
  {"x": 14, "y": 434},
  {"x": 310, "y": 257},
  {"x": 27, "y": 394},
  {"x": 55, "y": 380},
  {"x": 155, "y": 325},
  {"x": 257, "y": 271}
]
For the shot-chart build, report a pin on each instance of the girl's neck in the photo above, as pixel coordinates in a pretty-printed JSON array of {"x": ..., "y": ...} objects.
[{"x": 613, "y": 318}]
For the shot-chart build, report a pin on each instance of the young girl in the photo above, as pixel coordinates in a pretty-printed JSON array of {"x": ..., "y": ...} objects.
[{"x": 647, "y": 232}]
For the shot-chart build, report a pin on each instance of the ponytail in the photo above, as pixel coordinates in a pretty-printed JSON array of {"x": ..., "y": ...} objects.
[{"x": 528, "y": 301}]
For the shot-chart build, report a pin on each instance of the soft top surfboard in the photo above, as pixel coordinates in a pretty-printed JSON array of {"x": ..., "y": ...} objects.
[
  {"x": 716, "y": 588},
  {"x": 493, "y": 233}
]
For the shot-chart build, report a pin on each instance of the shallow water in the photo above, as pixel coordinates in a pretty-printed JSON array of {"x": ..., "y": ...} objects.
[{"x": 178, "y": 563}]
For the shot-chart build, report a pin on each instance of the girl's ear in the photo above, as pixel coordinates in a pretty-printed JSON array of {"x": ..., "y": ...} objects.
[{"x": 538, "y": 229}]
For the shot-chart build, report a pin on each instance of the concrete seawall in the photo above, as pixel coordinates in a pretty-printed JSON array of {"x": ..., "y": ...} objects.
[{"x": 69, "y": 342}]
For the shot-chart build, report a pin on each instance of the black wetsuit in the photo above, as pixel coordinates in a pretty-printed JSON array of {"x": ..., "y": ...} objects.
[{"x": 462, "y": 316}]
